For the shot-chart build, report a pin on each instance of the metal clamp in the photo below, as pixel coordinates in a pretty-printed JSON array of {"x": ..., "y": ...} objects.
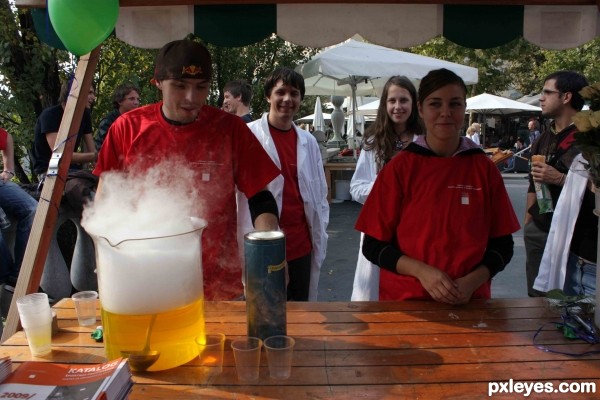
[{"x": 53, "y": 165}]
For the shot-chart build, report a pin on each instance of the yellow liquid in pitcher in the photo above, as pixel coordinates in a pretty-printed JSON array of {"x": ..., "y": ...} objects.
[{"x": 173, "y": 334}]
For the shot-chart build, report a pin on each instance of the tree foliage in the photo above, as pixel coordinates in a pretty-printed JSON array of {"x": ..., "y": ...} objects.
[
  {"x": 31, "y": 72},
  {"x": 518, "y": 65}
]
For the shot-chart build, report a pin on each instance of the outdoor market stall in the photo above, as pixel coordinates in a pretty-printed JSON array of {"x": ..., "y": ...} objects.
[{"x": 554, "y": 24}]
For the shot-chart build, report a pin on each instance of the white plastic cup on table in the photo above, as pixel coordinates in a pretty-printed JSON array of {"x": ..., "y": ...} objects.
[
  {"x": 211, "y": 347},
  {"x": 246, "y": 352},
  {"x": 85, "y": 306},
  {"x": 280, "y": 349},
  {"x": 36, "y": 318}
]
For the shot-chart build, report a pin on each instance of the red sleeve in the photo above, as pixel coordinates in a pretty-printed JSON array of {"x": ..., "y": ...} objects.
[
  {"x": 111, "y": 157},
  {"x": 3, "y": 139},
  {"x": 253, "y": 168},
  {"x": 380, "y": 214}
]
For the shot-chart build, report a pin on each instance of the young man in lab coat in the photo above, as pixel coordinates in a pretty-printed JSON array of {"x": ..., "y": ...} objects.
[{"x": 301, "y": 190}]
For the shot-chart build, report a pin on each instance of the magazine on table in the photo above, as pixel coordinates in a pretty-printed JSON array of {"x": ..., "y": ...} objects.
[{"x": 35, "y": 380}]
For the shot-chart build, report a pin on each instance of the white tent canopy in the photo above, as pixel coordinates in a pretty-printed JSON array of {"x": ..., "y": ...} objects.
[
  {"x": 490, "y": 104},
  {"x": 369, "y": 108},
  {"x": 310, "y": 118}
]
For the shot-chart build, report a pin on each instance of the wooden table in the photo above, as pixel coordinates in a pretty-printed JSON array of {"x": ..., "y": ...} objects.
[
  {"x": 367, "y": 350},
  {"x": 330, "y": 168}
]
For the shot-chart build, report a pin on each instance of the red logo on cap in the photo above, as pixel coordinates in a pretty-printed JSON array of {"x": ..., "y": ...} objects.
[{"x": 191, "y": 70}]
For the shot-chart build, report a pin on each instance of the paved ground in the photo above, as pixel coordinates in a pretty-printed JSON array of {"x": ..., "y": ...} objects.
[{"x": 337, "y": 273}]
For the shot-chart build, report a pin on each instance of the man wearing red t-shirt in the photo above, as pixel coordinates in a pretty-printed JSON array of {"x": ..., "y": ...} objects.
[
  {"x": 219, "y": 147},
  {"x": 302, "y": 190}
]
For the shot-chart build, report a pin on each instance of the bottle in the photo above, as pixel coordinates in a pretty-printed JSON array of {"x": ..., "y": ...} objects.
[
  {"x": 266, "y": 293},
  {"x": 542, "y": 191},
  {"x": 4, "y": 221}
]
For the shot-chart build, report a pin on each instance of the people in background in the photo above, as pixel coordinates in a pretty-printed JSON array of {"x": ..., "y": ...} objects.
[
  {"x": 125, "y": 98},
  {"x": 560, "y": 100},
  {"x": 534, "y": 130},
  {"x": 476, "y": 133},
  {"x": 219, "y": 148},
  {"x": 438, "y": 220},
  {"x": 19, "y": 208},
  {"x": 236, "y": 99},
  {"x": 396, "y": 126},
  {"x": 46, "y": 131},
  {"x": 519, "y": 144},
  {"x": 302, "y": 193}
]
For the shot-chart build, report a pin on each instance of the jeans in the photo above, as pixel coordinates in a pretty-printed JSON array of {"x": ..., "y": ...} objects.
[
  {"x": 580, "y": 278},
  {"x": 19, "y": 206}
]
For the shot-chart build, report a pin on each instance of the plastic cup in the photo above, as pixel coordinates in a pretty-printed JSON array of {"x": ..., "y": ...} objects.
[
  {"x": 279, "y": 356},
  {"x": 211, "y": 348},
  {"x": 85, "y": 305},
  {"x": 36, "y": 318},
  {"x": 247, "y": 358}
]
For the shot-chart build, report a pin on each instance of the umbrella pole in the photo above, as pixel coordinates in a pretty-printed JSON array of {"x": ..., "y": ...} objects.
[{"x": 353, "y": 86}]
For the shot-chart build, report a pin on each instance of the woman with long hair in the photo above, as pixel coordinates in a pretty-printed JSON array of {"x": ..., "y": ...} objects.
[{"x": 397, "y": 125}]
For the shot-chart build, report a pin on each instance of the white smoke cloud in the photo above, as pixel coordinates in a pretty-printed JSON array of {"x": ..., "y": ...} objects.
[{"x": 160, "y": 201}]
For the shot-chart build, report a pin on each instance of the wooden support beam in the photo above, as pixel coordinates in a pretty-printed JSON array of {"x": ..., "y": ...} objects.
[{"x": 47, "y": 210}]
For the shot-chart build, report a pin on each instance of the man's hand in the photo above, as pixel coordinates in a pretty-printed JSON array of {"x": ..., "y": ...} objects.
[
  {"x": 544, "y": 173},
  {"x": 7, "y": 175}
]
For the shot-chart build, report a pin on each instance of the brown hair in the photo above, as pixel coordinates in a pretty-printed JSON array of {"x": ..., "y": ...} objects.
[{"x": 381, "y": 137}]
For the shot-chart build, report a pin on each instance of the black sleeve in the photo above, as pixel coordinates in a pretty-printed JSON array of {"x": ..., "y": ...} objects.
[
  {"x": 383, "y": 254},
  {"x": 499, "y": 253},
  {"x": 262, "y": 202}
]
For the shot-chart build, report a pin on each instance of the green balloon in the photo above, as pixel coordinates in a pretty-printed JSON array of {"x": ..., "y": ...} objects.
[{"x": 83, "y": 24}]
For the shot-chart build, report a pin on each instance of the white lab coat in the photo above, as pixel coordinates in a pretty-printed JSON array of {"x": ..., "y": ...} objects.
[
  {"x": 366, "y": 276},
  {"x": 553, "y": 267},
  {"x": 313, "y": 189}
]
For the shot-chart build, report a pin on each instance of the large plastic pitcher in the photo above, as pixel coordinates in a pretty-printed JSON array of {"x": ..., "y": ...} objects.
[{"x": 152, "y": 298}]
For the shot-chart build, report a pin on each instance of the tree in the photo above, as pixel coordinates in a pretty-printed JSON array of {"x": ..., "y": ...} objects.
[
  {"x": 254, "y": 63},
  {"x": 29, "y": 77}
]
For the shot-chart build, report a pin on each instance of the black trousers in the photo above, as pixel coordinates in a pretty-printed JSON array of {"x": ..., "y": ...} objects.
[{"x": 299, "y": 272}]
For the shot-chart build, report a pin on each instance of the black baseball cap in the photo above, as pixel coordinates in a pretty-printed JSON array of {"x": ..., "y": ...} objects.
[{"x": 183, "y": 59}]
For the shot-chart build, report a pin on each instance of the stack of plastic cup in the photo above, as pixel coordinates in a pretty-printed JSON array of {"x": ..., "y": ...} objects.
[{"x": 36, "y": 319}]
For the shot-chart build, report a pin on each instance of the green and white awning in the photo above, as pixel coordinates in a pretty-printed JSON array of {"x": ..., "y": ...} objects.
[{"x": 322, "y": 25}]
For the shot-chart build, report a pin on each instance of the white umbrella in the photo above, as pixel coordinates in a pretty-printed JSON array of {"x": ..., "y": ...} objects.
[
  {"x": 310, "y": 118},
  {"x": 355, "y": 68},
  {"x": 319, "y": 121},
  {"x": 369, "y": 108},
  {"x": 489, "y": 104},
  {"x": 355, "y": 121}
]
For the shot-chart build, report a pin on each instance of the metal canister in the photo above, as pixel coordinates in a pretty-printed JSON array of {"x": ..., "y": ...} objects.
[{"x": 266, "y": 293}]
